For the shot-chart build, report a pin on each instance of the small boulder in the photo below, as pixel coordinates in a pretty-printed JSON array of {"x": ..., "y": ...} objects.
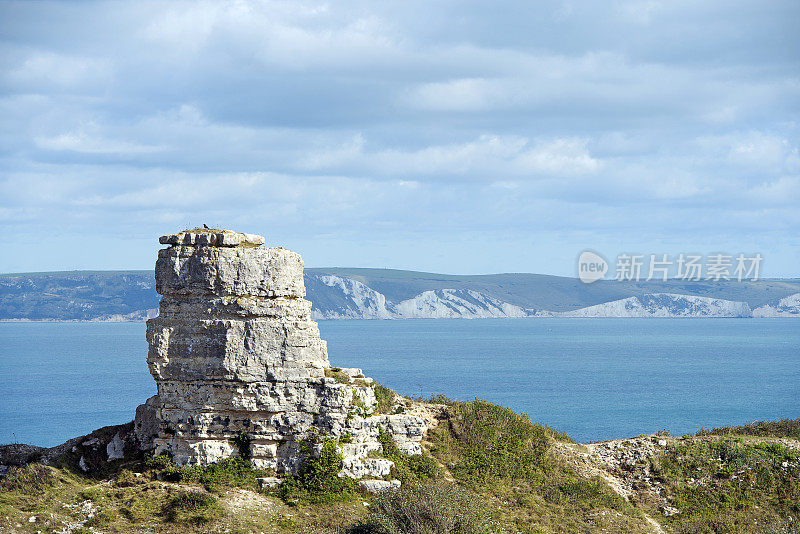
[
  {"x": 115, "y": 448},
  {"x": 375, "y": 486},
  {"x": 669, "y": 511},
  {"x": 269, "y": 482}
]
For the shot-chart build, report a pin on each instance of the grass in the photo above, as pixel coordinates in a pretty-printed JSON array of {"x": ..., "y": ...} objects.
[
  {"x": 31, "y": 480},
  {"x": 486, "y": 442},
  {"x": 337, "y": 374},
  {"x": 409, "y": 469},
  {"x": 430, "y": 508},
  {"x": 783, "y": 428},
  {"x": 234, "y": 472},
  {"x": 102, "y": 519},
  {"x": 33, "y": 488},
  {"x": 128, "y": 501},
  {"x": 508, "y": 459},
  {"x": 193, "y": 508},
  {"x": 727, "y": 485},
  {"x": 57, "y": 496},
  {"x": 142, "y": 504},
  {"x": 384, "y": 398},
  {"x": 486, "y": 469}
]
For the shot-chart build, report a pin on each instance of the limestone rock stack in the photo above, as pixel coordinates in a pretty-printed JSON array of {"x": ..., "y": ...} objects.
[{"x": 234, "y": 351}]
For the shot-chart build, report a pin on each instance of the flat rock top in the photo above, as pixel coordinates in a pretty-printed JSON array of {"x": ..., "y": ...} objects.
[{"x": 212, "y": 237}]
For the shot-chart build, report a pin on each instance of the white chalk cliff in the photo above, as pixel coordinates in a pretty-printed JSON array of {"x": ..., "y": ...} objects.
[
  {"x": 456, "y": 303},
  {"x": 359, "y": 301},
  {"x": 363, "y": 302},
  {"x": 664, "y": 305},
  {"x": 785, "y": 307}
]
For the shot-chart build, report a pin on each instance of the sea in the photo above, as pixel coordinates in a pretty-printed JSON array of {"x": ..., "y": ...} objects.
[{"x": 594, "y": 379}]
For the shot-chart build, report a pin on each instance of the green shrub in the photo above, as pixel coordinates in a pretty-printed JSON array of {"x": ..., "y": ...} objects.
[
  {"x": 436, "y": 399},
  {"x": 102, "y": 518},
  {"x": 140, "y": 506},
  {"x": 384, "y": 398},
  {"x": 162, "y": 461},
  {"x": 31, "y": 479},
  {"x": 126, "y": 479},
  {"x": 337, "y": 374},
  {"x": 407, "y": 468},
  {"x": 193, "y": 508},
  {"x": 784, "y": 428},
  {"x": 432, "y": 508},
  {"x": 317, "y": 478},
  {"x": 556, "y": 434},
  {"x": 504, "y": 455},
  {"x": 490, "y": 442},
  {"x": 360, "y": 404},
  {"x": 588, "y": 494},
  {"x": 242, "y": 442},
  {"x": 230, "y": 472},
  {"x": 738, "y": 486},
  {"x": 320, "y": 474}
]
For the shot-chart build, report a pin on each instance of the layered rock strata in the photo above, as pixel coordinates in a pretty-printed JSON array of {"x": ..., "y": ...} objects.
[{"x": 234, "y": 352}]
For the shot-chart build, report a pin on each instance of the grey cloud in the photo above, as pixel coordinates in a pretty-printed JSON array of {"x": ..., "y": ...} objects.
[{"x": 390, "y": 121}]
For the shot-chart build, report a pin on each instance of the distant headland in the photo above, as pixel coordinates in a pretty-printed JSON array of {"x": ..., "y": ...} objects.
[{"x": 353, "y": 293}]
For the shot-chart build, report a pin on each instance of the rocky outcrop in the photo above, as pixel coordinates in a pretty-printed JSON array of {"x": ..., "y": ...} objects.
[{"x": 238, "y": 359}]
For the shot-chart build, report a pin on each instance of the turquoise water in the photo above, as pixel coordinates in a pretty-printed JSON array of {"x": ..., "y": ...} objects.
[{"x": 592, "y": 378}]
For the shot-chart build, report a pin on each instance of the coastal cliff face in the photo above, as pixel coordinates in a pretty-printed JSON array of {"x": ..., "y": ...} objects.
[
  {"x": 347, "y": 298},
  {"x": 235, "y": 352},
  {"x": 340, "y": 293}
]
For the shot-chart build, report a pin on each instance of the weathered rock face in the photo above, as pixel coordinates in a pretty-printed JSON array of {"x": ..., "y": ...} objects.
[{"x": 234, "y": 351}]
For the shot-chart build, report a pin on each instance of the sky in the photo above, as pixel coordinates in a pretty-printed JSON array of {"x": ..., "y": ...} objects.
[{"x": 449, "y": 136}]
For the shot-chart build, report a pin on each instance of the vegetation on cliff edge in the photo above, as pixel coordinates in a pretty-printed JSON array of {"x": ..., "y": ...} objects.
[{"x": 485, "y": 469}]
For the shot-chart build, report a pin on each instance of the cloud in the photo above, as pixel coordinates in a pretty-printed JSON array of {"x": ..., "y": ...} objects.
[
  {"x": 784, "y": 190},
  {"x": 289, "y": 35},
  {"x": 80, "y": 142},
  {"x": 394, "y": 122},
  {"x": 760, "y": 150},
  {"x": 485, "y": 158},
  {"x": 559, "y": 157},
  {"x": 50, "y": 70},
  {"x": 639, "y": 11},
  {"x": 466, "y": 94},
  {"x": 754, "y": 151}
]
